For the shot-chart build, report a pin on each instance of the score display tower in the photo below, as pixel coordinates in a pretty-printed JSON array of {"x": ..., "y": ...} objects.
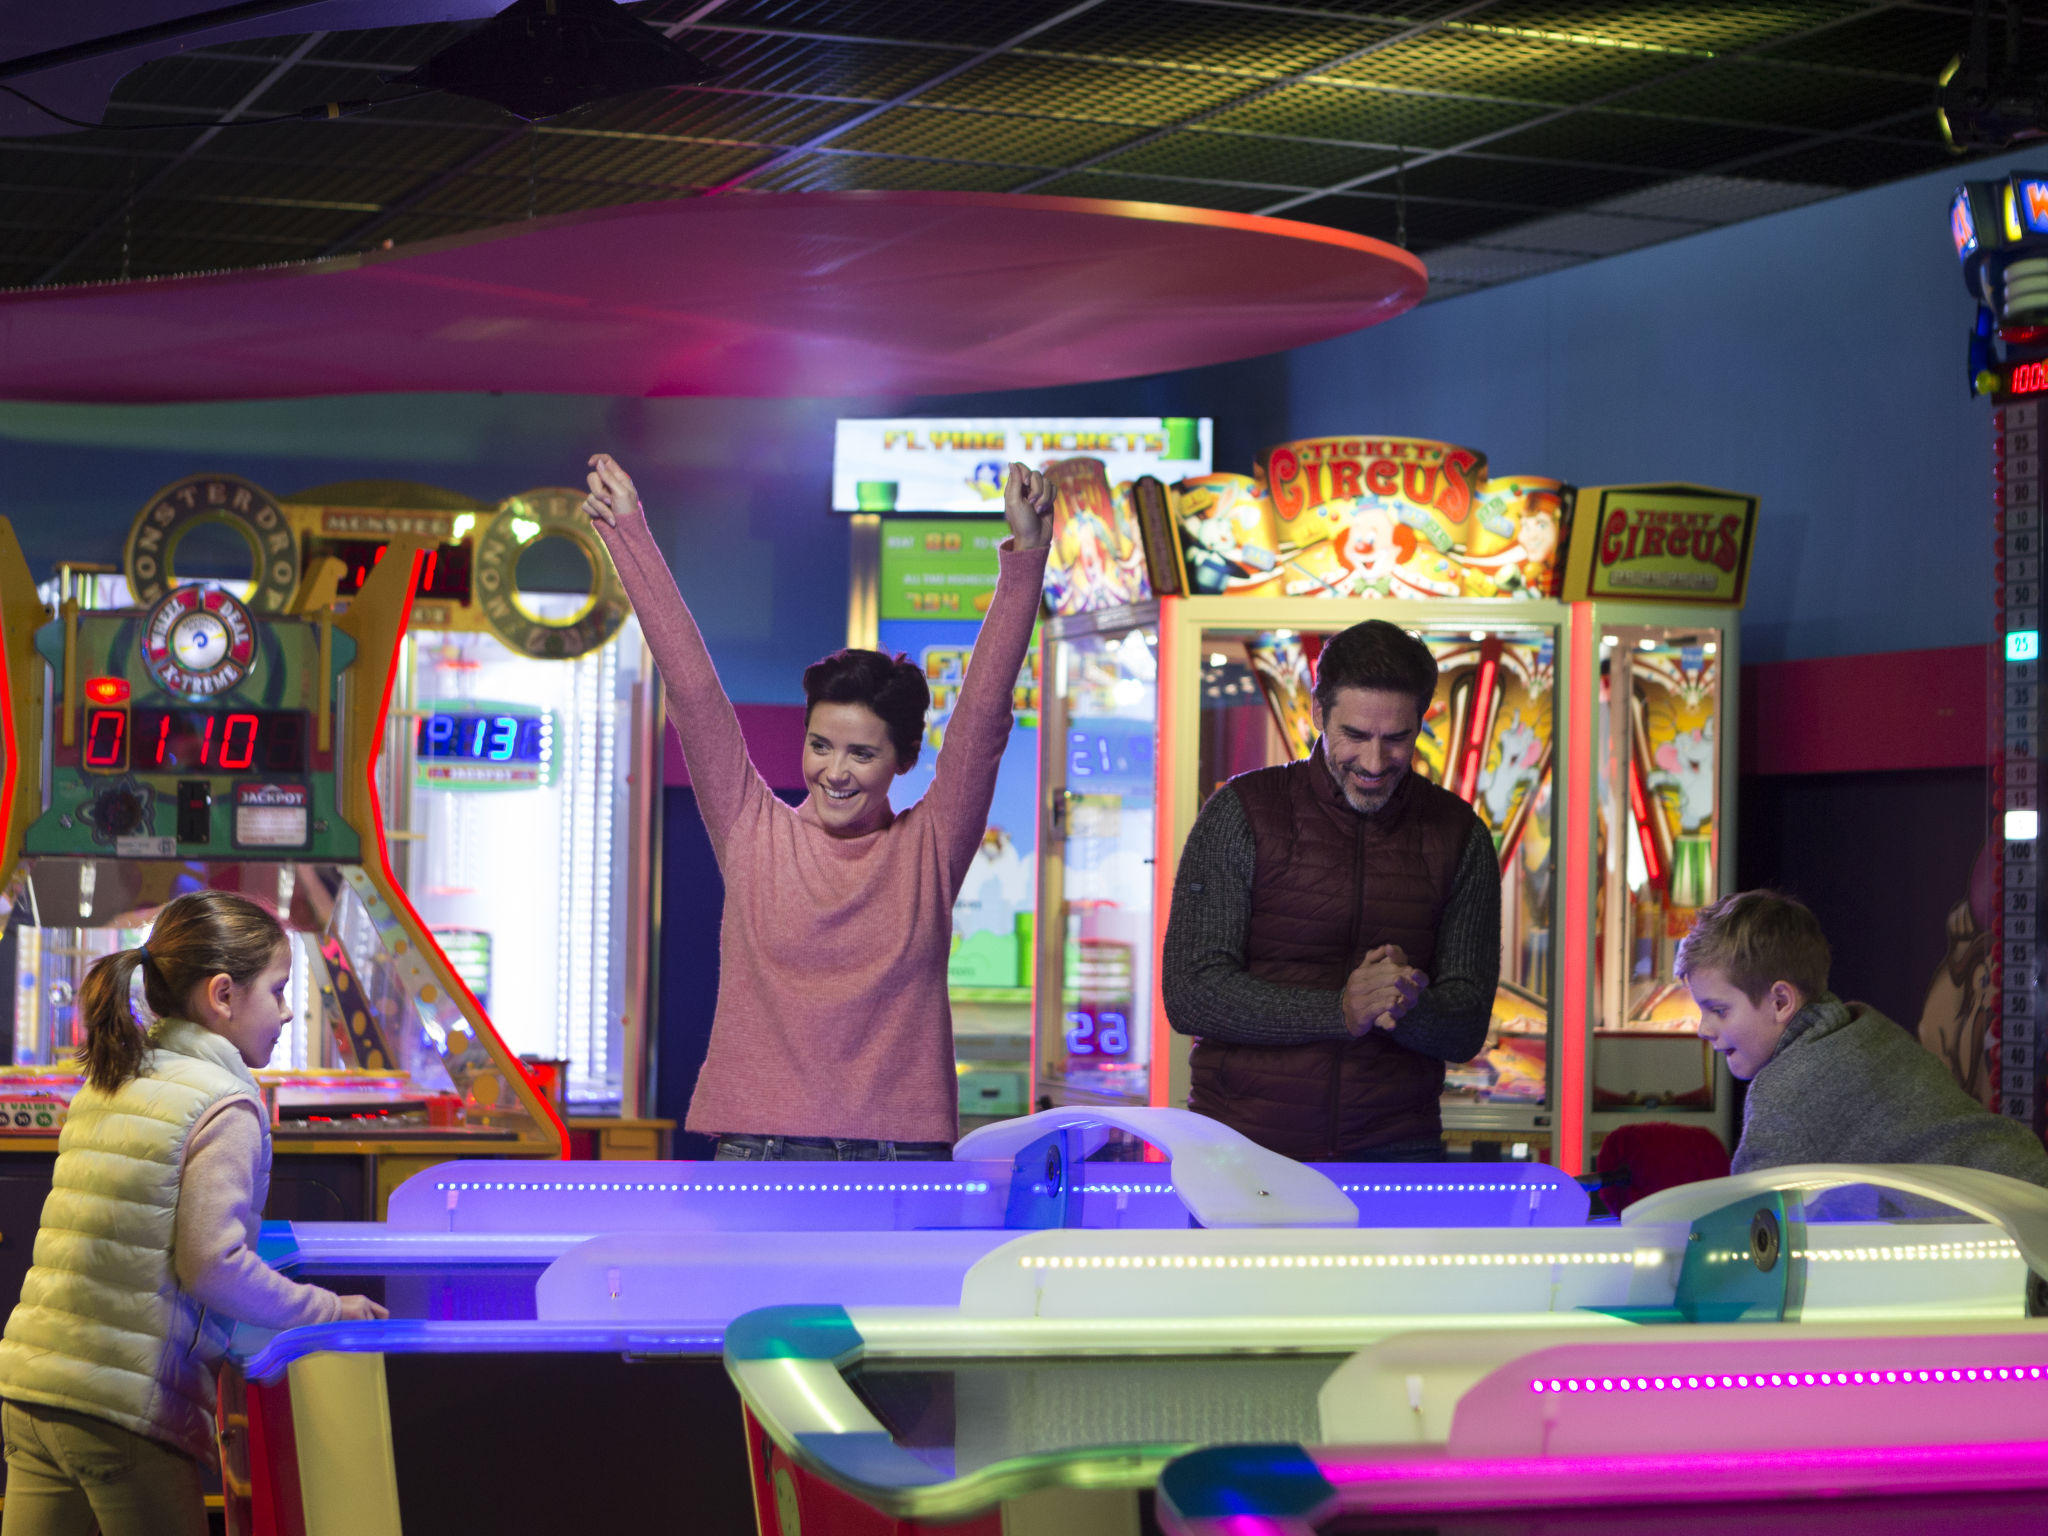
[{"x": 2000, "y": 231}]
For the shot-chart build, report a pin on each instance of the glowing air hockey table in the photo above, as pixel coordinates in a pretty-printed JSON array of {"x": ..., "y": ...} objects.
[
  {"x": 1078, "y": 1364},
  {"x": 571, "y": 1315},
  {"x": 1847, "y": 1429}
]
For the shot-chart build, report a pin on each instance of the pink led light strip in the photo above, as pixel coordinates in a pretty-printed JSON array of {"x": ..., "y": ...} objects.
[{"x": 1781, "y": 1379}]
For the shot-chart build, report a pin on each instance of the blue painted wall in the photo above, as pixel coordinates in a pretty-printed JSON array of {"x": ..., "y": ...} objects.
[{"x": 1814, "y": 357}]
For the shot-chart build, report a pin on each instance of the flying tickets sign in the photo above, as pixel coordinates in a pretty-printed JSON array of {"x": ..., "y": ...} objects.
[{"x": 1660, "y": 543}]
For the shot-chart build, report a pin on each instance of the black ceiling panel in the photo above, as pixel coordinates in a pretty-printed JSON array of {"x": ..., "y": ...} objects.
[{"x": 1499, "y": 115}]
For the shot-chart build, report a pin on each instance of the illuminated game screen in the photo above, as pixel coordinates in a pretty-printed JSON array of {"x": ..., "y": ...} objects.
[
  {"x": 485, "y": 738},
  {"x": 193, "y": 740}
]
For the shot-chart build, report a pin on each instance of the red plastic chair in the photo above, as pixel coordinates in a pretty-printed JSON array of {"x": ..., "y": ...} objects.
[{"x": 1639, "y": 1160}]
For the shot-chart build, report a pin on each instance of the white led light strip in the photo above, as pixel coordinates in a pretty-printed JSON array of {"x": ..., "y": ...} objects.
[
  {"x": 1643, "y": 1257},
  {"x": 1986, "y": 1248},
  {"x": 1769, "y": 1380}
]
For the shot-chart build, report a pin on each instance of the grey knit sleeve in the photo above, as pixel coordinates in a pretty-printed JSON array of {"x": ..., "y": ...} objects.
[
  {"x": 1450, "y": 1019},
  {"x": 1207, "y": 989}
]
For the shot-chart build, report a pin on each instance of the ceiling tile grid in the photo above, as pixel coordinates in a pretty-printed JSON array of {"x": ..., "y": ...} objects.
[{"x": 1497, "y": 138}]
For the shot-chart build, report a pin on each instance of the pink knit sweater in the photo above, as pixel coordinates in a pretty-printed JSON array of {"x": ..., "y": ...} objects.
[{"x": 832, "y": 1018}]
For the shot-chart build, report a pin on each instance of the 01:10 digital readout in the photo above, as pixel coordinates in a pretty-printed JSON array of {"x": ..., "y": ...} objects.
[{"x": 182, "y": 740}]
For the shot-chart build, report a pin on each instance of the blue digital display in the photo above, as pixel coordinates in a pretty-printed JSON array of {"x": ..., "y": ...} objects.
[
  {"x": 485, "y": 738},
  {"x": 2023, "y": 645}
]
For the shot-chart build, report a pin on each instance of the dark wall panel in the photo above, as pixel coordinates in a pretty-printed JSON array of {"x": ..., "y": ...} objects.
[
  {"x": 1880, "y": 857},
  {"x": 692, "y": 898}
]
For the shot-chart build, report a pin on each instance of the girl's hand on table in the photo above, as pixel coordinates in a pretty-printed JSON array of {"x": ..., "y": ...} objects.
[
  {"x": 612, "y": 497},
  {"x": 1027, "y": 507},
  {"x": 360, "y": 1309}
]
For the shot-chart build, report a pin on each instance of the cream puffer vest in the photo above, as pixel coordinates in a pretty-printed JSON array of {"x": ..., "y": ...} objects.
[{"x": 102, "y": 1326}]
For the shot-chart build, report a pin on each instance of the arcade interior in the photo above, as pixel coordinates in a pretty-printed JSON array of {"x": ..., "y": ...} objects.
[{"x": 1670, "y": 374}]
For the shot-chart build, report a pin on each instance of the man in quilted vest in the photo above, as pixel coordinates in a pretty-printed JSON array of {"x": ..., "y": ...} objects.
[{"x": 1335, "y": 933}]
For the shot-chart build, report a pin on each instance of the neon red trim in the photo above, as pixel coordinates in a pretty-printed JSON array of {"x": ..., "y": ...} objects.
[
  {"x": 1576, "y": 844},
  {"x": 391, "y": 885},
  {"x": 1165, "y": 855},
  {"x": 1475, "y": 730},
  {"x": 1641, "y": 808}
]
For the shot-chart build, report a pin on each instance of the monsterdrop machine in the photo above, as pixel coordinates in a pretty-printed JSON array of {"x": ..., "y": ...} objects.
[{"x": 325, "y": 735}]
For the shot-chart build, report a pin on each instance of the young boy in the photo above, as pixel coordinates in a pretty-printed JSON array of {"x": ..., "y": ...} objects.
[{"x": 1830, "y": 1082}]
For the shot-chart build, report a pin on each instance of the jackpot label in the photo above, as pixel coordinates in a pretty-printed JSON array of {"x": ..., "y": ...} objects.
[{"x": 1664, "y": 543}]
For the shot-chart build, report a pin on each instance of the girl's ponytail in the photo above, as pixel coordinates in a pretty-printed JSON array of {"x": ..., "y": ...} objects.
[
  {"x": 195, "y": 938},
  {"x": 114, "y": 1045}
]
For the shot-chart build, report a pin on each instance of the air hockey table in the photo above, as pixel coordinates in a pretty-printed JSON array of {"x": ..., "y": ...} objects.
[
  {"x": 572, "y": 1315},
  {"x": 1851, "y": 1429},
  {"x": 1077, "y": 1365}
]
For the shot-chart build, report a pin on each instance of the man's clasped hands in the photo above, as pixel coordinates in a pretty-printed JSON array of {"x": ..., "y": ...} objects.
[{"x": 1381, "y": 990}]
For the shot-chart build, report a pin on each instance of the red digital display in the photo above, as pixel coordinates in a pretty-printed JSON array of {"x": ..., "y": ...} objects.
[
  {"x": 214, "y": 740},
  {"x": 2028, "y": 379},
  {"x": 106, "y": 740},
  {"x": 444, "y": 572}
]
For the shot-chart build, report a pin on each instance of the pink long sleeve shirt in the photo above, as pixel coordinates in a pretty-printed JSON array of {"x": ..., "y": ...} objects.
[{"x": 833, "y": 1018}]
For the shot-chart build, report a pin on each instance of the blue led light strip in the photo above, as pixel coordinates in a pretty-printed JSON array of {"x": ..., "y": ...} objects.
[{"x": 1778, "y": 1380}]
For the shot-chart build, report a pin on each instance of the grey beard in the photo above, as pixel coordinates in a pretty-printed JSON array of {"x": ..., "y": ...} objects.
[{"x": 1352, "y": 796}]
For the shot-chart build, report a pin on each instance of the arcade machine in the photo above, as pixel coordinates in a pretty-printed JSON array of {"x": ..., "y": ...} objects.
[
  {"x": 1076, "y": 1362},
  {"x": 2000, "y": 230},
  {"x": 519, "y": 771},
  {"x": 925, "y": 497},
  {"x": 195, "y": 741},
  {"x": 1590, "y": 735}
]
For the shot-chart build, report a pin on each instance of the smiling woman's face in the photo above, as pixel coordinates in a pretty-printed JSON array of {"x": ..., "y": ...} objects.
[{"x": 848, "y": 763}]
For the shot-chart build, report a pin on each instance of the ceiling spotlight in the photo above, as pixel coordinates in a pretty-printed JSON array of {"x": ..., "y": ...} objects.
[{"x": 539, "y": 58}]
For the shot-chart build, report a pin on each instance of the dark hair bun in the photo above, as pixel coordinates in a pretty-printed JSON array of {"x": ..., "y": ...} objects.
[{"x": 892, "y": 686}]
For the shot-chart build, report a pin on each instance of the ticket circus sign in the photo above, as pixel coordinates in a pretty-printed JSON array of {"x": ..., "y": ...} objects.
[
  {"x": 1371, "y": 516},
  {"x": 1661, "y": 543},
  {"x": 287, "y": 539}
]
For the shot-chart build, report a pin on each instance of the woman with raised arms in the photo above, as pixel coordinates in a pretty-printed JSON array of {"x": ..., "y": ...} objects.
[{"x": 833, "y": 1037}]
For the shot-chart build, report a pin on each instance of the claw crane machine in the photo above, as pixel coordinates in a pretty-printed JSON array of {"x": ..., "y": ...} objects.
[
  {"x": 1187, "y": 621},
  {"x": 926, "y": 496},
  {"x": 192, "y": 738}
]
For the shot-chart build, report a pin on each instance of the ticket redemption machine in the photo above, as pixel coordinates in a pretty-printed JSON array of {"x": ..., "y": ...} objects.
[
  {"x": 520, "y": 776},
  {"x": 195, "y": 743},
  {"x": 1591, "y": 737}
]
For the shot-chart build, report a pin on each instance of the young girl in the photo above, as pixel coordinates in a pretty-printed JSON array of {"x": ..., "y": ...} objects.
[
  {"x": 833, "y": 1036},
  {"x": 147, "y": 1253}
]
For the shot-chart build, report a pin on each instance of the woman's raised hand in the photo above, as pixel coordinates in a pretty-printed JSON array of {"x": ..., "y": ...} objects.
[
  {"x": 612, "y": 497},
  {"x": 1027, "y": 507}
]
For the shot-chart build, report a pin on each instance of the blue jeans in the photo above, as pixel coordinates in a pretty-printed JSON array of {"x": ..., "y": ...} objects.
[{"x": 829, "y": 1149}]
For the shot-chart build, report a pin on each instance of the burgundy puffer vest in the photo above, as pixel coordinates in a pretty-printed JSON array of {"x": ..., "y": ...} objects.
[{"x": 1330, "y": 885}]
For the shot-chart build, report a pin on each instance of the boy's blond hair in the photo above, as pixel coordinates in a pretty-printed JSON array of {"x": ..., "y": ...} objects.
[{"x": 1756, "y": 938}]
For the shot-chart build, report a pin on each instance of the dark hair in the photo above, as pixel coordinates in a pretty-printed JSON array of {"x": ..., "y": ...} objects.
[
  {"x": 195, "y": 937},
  {"x": 1379, "y": 655},
  {"x": 1756, "y": 939},
  {"x": 892, "y": 686}
]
